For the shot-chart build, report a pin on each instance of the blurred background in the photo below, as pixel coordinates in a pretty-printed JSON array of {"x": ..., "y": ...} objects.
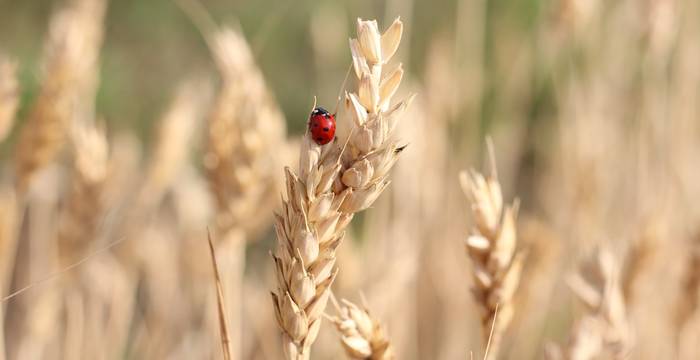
[
  {"x": 139, "y": 124},
  {"x": 149, "y": 45}
]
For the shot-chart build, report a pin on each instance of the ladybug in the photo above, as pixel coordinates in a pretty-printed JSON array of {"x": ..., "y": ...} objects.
[{"x": 322, "y": 126}]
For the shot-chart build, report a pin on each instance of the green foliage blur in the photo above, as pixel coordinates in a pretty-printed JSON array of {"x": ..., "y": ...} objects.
[{"x": 150, "y": 46}]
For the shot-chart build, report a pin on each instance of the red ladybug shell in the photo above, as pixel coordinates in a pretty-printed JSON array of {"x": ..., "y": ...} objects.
[{"x": 322, "y": 126}]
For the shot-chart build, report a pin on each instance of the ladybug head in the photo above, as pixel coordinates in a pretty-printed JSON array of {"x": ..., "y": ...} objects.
[{"x": 321, "y": 111}]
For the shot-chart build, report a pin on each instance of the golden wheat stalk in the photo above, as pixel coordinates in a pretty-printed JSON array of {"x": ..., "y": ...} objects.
[
  {"x": 322, "y": 199},
  {"x": 220, "y": 304},
  {"x": 75, "y": 35},
  {"x": 361, "y": 335},
  {"x": 9, "y": 95},
  {"x": 491, "y": 247}
]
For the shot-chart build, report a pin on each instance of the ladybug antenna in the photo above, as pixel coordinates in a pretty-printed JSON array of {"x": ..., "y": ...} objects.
[
  {"x": 342, "y": 88},
  {"x": 312, "y": 110},
  {"x": 314, "y": 105}
]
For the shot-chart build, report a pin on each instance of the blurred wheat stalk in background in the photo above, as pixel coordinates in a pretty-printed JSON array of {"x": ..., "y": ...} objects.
[
  {"x": 592, "y": 111},
  {"x": 492, "y": 249},
  {"x": 362, "y": 335}
]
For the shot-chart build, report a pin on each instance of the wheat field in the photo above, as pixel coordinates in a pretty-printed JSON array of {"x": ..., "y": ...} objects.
[{"x": 508, "y": 180}]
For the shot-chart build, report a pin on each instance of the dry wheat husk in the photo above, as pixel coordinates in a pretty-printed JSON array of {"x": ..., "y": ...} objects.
[
  {"x": 491, "y": 247},
  {"x": 70, "y": 74},
  {"x": 327, "y": 191},
  {"x": 361, "y": 335}
]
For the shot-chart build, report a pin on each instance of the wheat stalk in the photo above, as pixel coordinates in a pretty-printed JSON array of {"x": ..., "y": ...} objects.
[
  {"x": 220, "y": 303},
  {"x": 75, "y": 35},
  {"x": 491, "y": 246},
  {"x": 361, "y": 335},
  {"x": 9, "y": 95},
  {"x": 322, "y": 199}
]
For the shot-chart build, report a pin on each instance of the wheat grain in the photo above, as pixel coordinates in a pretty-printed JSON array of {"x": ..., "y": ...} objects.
[
  {"x": 75, "y": 35},
  {"x": 322, "y": 199},
  {"x": 9, "y": 95},
  {"x": 491, "y": 246},
  {"x": 361, "y": 335}
]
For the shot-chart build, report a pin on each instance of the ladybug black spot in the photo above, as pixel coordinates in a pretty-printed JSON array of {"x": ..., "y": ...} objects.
[
  {"x": 325, "y": 129},
  {"x": 315, "y": 124},
  {"x": 319, "y": 139}
]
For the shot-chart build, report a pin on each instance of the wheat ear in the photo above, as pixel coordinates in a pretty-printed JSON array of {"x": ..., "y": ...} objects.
[
  {"x": 81, "y": 216},
  {"x": 361, "y": 335},
  {"x": 176, "y": 131},
  {"x": 244, "y": 126},
  {"x": 604, "y": 329},
  {"x": 491, "y": 247},
  {"x": 75, "y": 35},
  {"x": 9, "y": 96},
  {"x": 246, "y": 130},
  {"x": 322, "y": 199}
]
